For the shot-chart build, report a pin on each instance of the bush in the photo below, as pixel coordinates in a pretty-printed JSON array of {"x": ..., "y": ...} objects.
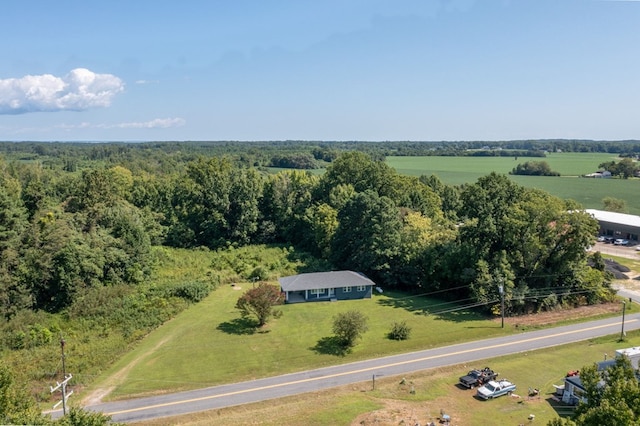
[
  {"x": 400, "y": 331},
  {"x": 349, "y": 326},
  {"x": 193, "y": 291}
]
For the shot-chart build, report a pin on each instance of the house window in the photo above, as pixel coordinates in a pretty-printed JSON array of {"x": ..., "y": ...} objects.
[
  {"x": 346, "y": 289},
  {"x": 362, "y": 288},
  {"x": 317, "y": 291}
]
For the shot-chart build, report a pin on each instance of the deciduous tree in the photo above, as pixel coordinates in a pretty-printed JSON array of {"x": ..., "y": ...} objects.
[
  {"x": 287, "y": 196},
  {"x": 368, "y": 236},
  {"x": 259, "y": 302},
  {"x": 617, "y": 205}
]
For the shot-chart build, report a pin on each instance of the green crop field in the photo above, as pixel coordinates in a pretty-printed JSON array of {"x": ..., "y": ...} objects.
[{"x": 588, "y": 192}]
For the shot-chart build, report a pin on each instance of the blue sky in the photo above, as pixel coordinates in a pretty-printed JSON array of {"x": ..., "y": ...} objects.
[{"x": 138, "y": 70}]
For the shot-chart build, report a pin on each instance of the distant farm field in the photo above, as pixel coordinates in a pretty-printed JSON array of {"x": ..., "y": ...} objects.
[{"x": 588, "y": 192}]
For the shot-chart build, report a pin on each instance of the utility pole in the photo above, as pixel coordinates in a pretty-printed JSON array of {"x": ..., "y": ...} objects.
[
  {"x": 62, "y": 386},
  {"x": 501, "y": 290},
  {"x": 624, "y": 308}
]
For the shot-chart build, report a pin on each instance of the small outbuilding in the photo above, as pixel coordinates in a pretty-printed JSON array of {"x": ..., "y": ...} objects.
[
  {"x": 319, "y": 286},
  {"x": 599, "y": 174}
]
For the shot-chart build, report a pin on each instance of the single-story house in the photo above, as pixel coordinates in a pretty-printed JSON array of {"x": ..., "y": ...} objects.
[
  {"x": 573, "y": 391},
  {"x": 334, "y": 285}
]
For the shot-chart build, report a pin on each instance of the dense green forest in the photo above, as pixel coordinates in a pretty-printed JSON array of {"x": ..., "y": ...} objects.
[
  {"x": 80, "y": 225},
  {"x": 287, "y": 154}
]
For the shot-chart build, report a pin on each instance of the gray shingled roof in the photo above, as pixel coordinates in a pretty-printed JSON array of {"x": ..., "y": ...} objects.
[{"x": 316, "y": 280}]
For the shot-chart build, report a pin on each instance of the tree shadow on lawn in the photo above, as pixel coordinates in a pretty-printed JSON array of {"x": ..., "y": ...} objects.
[
  {"x": 331, "y": 345},
  {"x": 440, "y": 309},
  {"x": 239, "y": 326}
]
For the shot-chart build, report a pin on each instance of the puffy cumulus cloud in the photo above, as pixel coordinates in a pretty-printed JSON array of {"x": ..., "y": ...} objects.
[{"x": 79, "y": 90}]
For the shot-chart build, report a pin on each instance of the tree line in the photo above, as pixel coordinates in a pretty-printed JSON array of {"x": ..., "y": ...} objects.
[
  {"x": 63, "y": 233},
  {"x": 298, "y": 154}
]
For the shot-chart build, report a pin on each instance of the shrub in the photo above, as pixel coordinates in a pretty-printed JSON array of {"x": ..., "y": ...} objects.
[
  {"x": 400, "y": 331},
  {"x": 193, "y": 291},
  {"x": 349, "y": 326}
]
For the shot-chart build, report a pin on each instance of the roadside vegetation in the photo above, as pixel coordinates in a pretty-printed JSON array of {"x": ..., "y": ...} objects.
[{"x": 102, "y": 243}]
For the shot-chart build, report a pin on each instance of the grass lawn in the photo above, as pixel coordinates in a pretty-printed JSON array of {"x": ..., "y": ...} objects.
[
  {"x": 211, "y": 344},
  {"x": 588, "y": 192},
  {"x": 392, "y": 403}
]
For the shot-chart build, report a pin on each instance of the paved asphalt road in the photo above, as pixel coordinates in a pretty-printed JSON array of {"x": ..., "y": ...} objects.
[{"x": 315, "y": 380}]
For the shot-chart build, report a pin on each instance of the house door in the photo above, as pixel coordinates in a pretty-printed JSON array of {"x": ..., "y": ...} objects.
[{"x": 332, "y": 292}]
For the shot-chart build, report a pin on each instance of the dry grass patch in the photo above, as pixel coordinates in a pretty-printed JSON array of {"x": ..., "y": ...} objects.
[{"x": 554, "y": 317}]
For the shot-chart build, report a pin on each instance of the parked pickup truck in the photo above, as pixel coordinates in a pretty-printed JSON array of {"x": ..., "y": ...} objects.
[
  {"x": 494, "y": 389},
  {"x": 478, "y": 377}
]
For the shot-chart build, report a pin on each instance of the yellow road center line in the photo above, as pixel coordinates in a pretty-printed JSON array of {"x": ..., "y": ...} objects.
[{"x": 394, "y": 364}]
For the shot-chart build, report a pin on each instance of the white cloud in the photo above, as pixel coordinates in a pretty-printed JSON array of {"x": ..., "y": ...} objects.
[
  {"x": 83, "y": 125},
  {"x": 157, "y": 123},
  {"x": 162, "y": 123},
  {"x": 79, "y": 90}
]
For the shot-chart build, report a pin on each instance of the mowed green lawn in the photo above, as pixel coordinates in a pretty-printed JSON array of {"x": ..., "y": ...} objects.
[
  {"x": 210, "y": 344},
  {"x": 588, "y": 192}
]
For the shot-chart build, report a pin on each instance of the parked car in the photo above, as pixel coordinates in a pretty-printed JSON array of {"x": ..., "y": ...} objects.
[
  {"x": 478, "y": 377},
  {"x": 609, "y": 240},
  {"x": 601, "y": 239},
  {"x": 494, "y": 389},
  {"x": 621, "y": 242}
]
